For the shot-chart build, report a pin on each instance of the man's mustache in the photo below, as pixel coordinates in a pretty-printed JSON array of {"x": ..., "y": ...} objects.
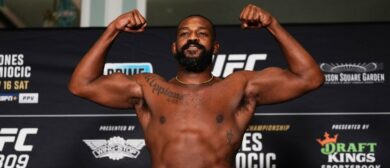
[{"x": 194, "y": 43}]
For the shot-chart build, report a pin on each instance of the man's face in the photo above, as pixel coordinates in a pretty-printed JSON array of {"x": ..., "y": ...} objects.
[{"x": 194, "y": 45}]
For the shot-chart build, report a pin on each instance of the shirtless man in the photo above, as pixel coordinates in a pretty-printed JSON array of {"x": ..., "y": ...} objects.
[{"x": 195, "y": 120}]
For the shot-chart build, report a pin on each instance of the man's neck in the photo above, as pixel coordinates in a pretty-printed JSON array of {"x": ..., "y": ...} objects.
[{"x": 194, "y": 78}]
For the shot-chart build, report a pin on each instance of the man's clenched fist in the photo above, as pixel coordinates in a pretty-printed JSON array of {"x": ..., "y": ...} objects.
[
  {"x": 254, "y": 17},
  {"x": 131, "y": 21}
]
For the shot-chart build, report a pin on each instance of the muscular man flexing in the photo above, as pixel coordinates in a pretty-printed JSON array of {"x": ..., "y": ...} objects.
[{"x": 195, "y": 118}]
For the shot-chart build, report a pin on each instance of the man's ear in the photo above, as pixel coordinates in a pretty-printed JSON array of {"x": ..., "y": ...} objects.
[
  {"x": 173, "y": 48},
  {"x": 216, "y": 47}
]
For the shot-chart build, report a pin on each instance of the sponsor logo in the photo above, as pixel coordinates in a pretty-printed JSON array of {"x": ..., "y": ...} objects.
[
  {"x": 127, "y": 68},
  {"x": 28, "y": 98},
  {"x": 353, "y": 73},
  {"x": 22, "y": 98},
  {"x": 8, "y": 97},
  {"x": 18, "y": 157},
  {"x": 224, "y": 64},
  {"x": 116, "y": 147},
  {"x": 347, "y": 154}
]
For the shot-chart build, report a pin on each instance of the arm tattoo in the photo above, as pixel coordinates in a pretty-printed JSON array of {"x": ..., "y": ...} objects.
[
  {"x": 229, "y": 136},
  {"x": 157, "y": 89}
]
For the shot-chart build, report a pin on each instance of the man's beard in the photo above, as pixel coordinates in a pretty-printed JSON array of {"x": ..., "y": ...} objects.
[{"x": 194, "y": 64}]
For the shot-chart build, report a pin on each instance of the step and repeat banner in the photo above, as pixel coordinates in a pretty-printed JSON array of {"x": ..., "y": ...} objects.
[{"x": 344, "y": 124}]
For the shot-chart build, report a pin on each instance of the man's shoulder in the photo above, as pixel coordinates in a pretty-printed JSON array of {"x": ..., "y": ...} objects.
[
  {"x": 145, "y": 77},
  {"x": 235, "y": 79},
  {"x": 247, "y": 75},
  {"x": 240, "y": 75},
  {"x": 247, "y": 78}
]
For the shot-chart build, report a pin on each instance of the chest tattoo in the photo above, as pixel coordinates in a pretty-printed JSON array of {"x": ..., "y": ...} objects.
[
  {"x": 157, "y": 89},
  {"x": 229, "y": 137}
]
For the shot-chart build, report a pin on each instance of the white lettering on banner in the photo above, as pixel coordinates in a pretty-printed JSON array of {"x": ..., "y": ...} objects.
[
  {"x": 21, "y": 138},
  {"x": 14, "y": 161},
  {"x": 251, "y": 155},
  {"x": 351, "y": 166},
  {"x": 224, "y": 64},
  {"x": 350, "y": 126},
  {"x": 8, "y": 97},
  {"x": 116, "y": 128},
  {"x": 28, "y": 98},
  {"x": 255, "y": 139},
  {"x": 14, "y": 78},
  {"x": 353, "y": 73},
  {"x": 127, "y": 68},
  {"x": 11, "y": 59},
  {"x": 12, "y": 66},
  {"x": 15, "y": 72},
  {"x": 11, "y": 135}
]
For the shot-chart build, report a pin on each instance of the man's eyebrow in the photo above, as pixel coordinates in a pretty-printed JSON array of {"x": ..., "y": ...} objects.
[
  {"x": 187, "y": 28},
  {"x": 183, "y": 28}
]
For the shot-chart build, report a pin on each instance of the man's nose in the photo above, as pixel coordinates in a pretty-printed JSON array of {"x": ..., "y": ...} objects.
[
  {"x": 192, "y": 41},
  {"x": 194, "y": 36}
]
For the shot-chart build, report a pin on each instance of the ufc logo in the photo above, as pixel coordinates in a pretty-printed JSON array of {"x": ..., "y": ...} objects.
[
  {"x": 28, "y": 98},
  {"x": 8, "y": 135},
  {"x": 227, "y": 64}
]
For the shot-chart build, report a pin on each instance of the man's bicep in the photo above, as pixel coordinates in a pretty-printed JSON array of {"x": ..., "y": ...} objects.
[
  {"x": 274, "y": 85},
  {"x": 116, "y": 90}
]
